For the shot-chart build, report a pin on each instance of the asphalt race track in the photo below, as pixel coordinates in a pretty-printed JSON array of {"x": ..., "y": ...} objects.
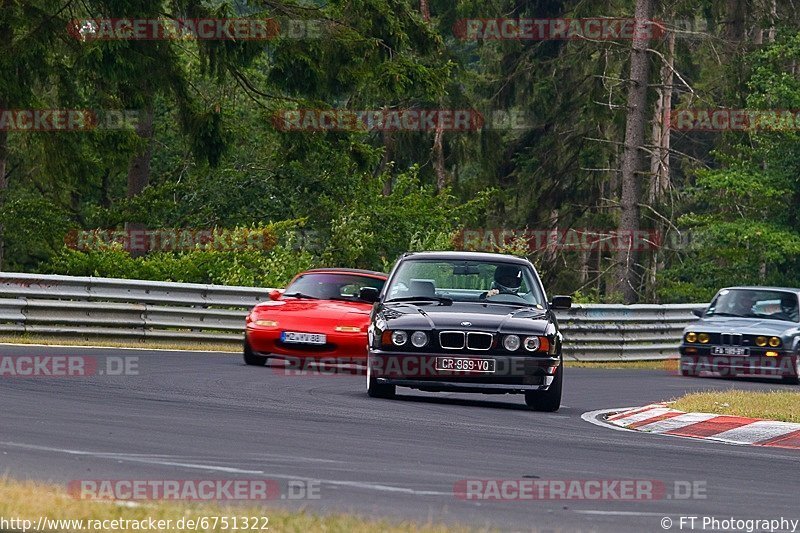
[{"x": 193, "y": 415}]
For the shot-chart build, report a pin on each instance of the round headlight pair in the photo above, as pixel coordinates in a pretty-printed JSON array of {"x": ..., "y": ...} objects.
[
  {"x": 702, "y": 338},
  {"x": 513, "y": 342},
  {"x": 762, "y": 341},
  {"x": 418, "y": 338}
]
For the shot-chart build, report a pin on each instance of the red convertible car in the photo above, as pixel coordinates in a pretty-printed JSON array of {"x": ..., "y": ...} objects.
[{"x": 321, "y": 314}]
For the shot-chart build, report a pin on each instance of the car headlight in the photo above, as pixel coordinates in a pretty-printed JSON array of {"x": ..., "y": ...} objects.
[
  {"x": 266, "y": 323},
  {"x": 511, "y": 343},
  {"x": 774, "y": 342},
  {"x": 704, "y": 338},
  {"x": 531, "y": 343},
  {"x": 419, "y": 339},
  {"x": 691, "y": 337},
  {"x": 399, "y": 338},
  {"x": 761, "y": 341}
]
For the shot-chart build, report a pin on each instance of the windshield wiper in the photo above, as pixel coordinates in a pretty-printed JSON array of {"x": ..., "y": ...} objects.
[
  {"x": 442, "y": 300},
  {"x": 301, "y": 295}
]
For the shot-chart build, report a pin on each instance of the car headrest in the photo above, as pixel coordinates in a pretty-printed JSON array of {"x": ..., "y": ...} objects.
[{"x": 419, "y": 287}]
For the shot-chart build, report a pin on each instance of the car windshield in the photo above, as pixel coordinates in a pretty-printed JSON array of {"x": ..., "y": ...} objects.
[
  {"x": 755, "y": 303},
  {"x": 331, "y": 286},
  {"x": 447, "y": 281}
]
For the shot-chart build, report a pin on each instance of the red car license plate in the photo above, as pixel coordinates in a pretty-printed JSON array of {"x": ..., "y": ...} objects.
[{"x": 295, "y": 337}]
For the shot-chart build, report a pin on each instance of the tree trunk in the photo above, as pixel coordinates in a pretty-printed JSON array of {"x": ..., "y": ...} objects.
[
  {"x": 105, "y": 189},
  {"x": 735, "y": 23},
  {"x": 438, "y": 159},
  {"x": 659, "y": 159},
  {"x": 388, "y": 156},
  {"x": 425, "y": 9},
  {"x": 773, "y": 16},
  {"x": 139, "y": 167},
  {"x": 631, "y": 156}
]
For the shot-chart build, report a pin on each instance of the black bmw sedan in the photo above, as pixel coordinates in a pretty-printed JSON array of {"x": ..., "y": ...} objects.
[
  {"x": 466, "y": 322},
  {"x": 751, "y": 331}
]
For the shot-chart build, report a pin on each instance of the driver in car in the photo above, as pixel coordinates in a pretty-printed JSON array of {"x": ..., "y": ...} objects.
[
  {"x": 789, "y": 307},
  {"x": 742, "y": 305},
  {"x": 507, "y": 280}
]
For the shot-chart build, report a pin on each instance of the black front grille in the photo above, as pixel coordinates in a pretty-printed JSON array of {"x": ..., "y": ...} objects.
[
  {"x": 451, "y": 340},
  {"x": 732, "y": 339},
  {"x": 479, "y": 341}
]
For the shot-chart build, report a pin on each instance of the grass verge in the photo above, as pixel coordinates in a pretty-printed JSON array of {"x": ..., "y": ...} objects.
[
  {"x": 667, "y": 365},
  {"x": 30, "y": 501},
  {"x": 114, "y": 343},
  {"x": 772, "y": 405}
]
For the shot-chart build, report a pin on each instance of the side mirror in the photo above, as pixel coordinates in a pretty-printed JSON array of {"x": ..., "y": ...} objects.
[
  {"x": 561, "y": 302},
  {"x": 369, "y": 294},
  {"x": 699, "y": 311},
  {"x": 275, "y": 294}
]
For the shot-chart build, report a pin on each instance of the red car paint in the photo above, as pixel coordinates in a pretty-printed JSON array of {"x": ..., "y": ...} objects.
[{"x": 322, "y": 315}]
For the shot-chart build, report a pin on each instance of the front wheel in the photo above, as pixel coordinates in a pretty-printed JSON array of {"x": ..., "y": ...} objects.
[
  {"x": 793, "y": 380},
  {"x": 375, "y": 389},
  {"x": 548, "y": 400},
  {"x": 251, "y": 358}
]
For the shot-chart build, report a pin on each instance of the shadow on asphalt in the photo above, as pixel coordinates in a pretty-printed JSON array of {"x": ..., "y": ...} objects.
[
  {"x": 507, "y": 405},
  {"x": 727, "y": 380}
]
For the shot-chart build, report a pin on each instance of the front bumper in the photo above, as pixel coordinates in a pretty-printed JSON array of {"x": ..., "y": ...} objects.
[
  {"x": 348, "y": 347},
  {"x": 484, "y": 388},
  {"x": 513, "y": 373}
]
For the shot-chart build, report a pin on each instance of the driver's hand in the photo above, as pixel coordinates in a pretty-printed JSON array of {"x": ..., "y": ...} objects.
[{"x": 492, "y": 292}]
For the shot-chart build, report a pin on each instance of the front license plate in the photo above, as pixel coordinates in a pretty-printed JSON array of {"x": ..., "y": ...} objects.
[
  {"x": 293, "y": 337},
  {"x": 459, "y": 364},
  {"x": 729, "y": 350}
]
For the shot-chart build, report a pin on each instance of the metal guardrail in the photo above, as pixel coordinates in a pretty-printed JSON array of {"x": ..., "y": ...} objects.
[{"x": 87, "y": 307}]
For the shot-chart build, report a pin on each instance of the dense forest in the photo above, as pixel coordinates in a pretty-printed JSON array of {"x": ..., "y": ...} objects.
[{"x": 648, "y": 168}]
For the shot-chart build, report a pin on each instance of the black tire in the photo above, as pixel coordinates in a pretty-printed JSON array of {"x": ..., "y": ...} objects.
[
  {"x": 793, "y": 380},
  {"x": 378, "y": 390},
  {"x": 252, "y": 359},
  {"x": 548, "y": 400}
]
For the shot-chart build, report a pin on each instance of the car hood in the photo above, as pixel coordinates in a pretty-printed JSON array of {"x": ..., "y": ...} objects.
[
  {"x": 482, "y": 317},
  {"x": 296, "y": 310},
  {"x": 745, "y": 326}
]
